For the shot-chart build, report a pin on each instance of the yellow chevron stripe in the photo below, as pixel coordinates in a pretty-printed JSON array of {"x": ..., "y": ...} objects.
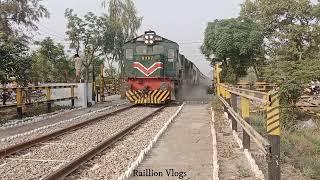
[
  {"x": 129, "y": 97},
  {"x": 153, "y": 96},
  {"x": 154, "y": 92},
  {"x": 162, "y": 95},
  {"x": 275, "y": 132},
  {"x": 156, "y": 97},
  {"x": 133, "y": 95},
  {"x": 276, "y": 124},
  {"x": 166, "y": 96},
  {"x": 274, "y": 112},
  {"x": 137, "y": 94}
]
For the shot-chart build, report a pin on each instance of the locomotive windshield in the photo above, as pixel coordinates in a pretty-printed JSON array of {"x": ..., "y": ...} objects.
[
  {"x": 158, "y": 49},
  {"x": 141, "y": 50},
  {"x": 151, "y": 50}
]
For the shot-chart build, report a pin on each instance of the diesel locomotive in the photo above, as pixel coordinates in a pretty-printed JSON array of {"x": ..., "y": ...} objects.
[{"x": 155, "y": 70}]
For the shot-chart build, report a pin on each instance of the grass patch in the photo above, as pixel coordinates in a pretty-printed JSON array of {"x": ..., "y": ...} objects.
[
  {"x": 257, "y": 121},
  {"x": 30, "y": 111},
  {"x": 217, "y": 105},
  {"x": 301, "y": 148},
  {"x": 243, "y": 172}
]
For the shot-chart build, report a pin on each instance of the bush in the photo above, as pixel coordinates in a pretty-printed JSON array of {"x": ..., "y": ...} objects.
[{"x": 301, "y": 148}]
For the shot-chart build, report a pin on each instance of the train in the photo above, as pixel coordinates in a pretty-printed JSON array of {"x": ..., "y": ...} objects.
[{"x": 154, "y": 70}]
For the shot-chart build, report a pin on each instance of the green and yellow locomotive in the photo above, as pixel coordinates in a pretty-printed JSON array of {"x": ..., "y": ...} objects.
[{"x": 155, "y": 70}]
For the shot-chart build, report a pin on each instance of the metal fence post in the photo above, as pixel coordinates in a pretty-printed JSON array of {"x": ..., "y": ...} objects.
[
  {"x": 245, "y": 113},
  {"x": 234, "y": 106},
  {"x": 273, "y": 131},
  {"x": 102, "y": 83},
  {"x": 227, "y": 98},
  {"x": 48, "y": 99},
  {"x": 19, "y": 102},
  {"x": 72, "y": 96},
  {"x": 218, "y": 89}
]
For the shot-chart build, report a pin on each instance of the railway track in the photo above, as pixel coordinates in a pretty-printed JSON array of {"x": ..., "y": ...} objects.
[{"x": 58, "y": 154}]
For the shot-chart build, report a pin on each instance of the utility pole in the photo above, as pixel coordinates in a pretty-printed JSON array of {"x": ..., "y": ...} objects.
[{"x": 93, "y": 82}]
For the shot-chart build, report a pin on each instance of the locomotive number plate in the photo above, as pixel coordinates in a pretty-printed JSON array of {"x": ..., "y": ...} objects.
[{"x": 147, "y": 57}]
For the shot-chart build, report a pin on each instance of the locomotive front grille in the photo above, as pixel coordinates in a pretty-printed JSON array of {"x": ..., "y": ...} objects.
[{"x": 150, "y": 97}]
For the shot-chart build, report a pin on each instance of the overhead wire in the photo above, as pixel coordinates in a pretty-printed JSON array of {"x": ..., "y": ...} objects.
[{"x": 49, "y": 29}]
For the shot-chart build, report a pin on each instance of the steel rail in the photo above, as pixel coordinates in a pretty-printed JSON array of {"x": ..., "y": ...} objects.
[
  {"x": 262, "y": 143},
  {"x": 24, "y": 145},
  {"x": 67, "y": 169}
]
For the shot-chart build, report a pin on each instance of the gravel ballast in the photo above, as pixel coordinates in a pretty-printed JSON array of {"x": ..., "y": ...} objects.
[
  {"x": 41, "y": 160},
  {"x": 25, "y": 136},
  {"x": 114, "y": 161}
]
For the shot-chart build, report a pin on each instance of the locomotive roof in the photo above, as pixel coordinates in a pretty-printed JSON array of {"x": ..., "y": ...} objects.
[{"x": 140, "y": 38}]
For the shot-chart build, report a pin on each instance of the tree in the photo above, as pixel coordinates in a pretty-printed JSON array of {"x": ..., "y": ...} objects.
[
  {"x": 291, "y": 30},
  {"x": 86, "y": 33},
  {"x": 49, "y": 62},
  {"x": 15, "y": 60},
  {"x": 237, "y": 43},
  {"x": 16, "y": 13},
  {"x": 124, "y": 23}
]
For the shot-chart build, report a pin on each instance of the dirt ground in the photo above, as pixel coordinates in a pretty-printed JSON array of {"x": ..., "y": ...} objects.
[{"x": 231, "y": 159}]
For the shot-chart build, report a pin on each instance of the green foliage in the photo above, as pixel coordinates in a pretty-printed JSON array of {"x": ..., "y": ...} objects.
[
  {"x": 124, "y": 17},
  {"x": 49, "y": 62},
  {"x": 123, "y": 23},
  {"x": 25, "y": 13},
  {"x": 15, "y": 61},
  {"x": 217, "y": 105},
  {"x": 237, "y": 43},
  {"x": 301, "y": 149},
  {"x": 86, "y": 33},
  {"x": 103, "y": 36},
  {"x": 291, "y": 29}
]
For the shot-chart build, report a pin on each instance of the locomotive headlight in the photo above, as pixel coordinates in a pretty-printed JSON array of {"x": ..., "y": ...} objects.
[{"x": 149, "y": 39}]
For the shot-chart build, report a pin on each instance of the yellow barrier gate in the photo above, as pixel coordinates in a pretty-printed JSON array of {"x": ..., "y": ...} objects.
[
  {"x": 19, "y": 97},
  {"x": 273, "y": 131},
  {"x": 228, "y": 94},
  {"x": 271, "y": 146}
]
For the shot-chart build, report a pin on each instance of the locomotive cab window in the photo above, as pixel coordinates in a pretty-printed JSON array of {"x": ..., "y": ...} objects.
[
  {"x": 158, "y": 49},
  {"x": 141, "y": 50},
  {"x": 171, "y": 55},
  {"x": 129, "y": 53}
]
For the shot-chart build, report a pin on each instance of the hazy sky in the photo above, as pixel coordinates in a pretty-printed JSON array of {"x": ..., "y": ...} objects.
[{"x": 183, "y": 21}]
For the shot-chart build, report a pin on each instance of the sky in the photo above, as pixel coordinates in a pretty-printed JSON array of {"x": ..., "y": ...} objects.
[{"x": 183, "y": 21}]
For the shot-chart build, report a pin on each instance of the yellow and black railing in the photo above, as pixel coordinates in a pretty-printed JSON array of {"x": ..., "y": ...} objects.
[
  {"x": 257, "y": 86},
  {"x": 150, "y": 97},
  {"x": 21, "y": 91},
  {"x": 240, "y": 114}
]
